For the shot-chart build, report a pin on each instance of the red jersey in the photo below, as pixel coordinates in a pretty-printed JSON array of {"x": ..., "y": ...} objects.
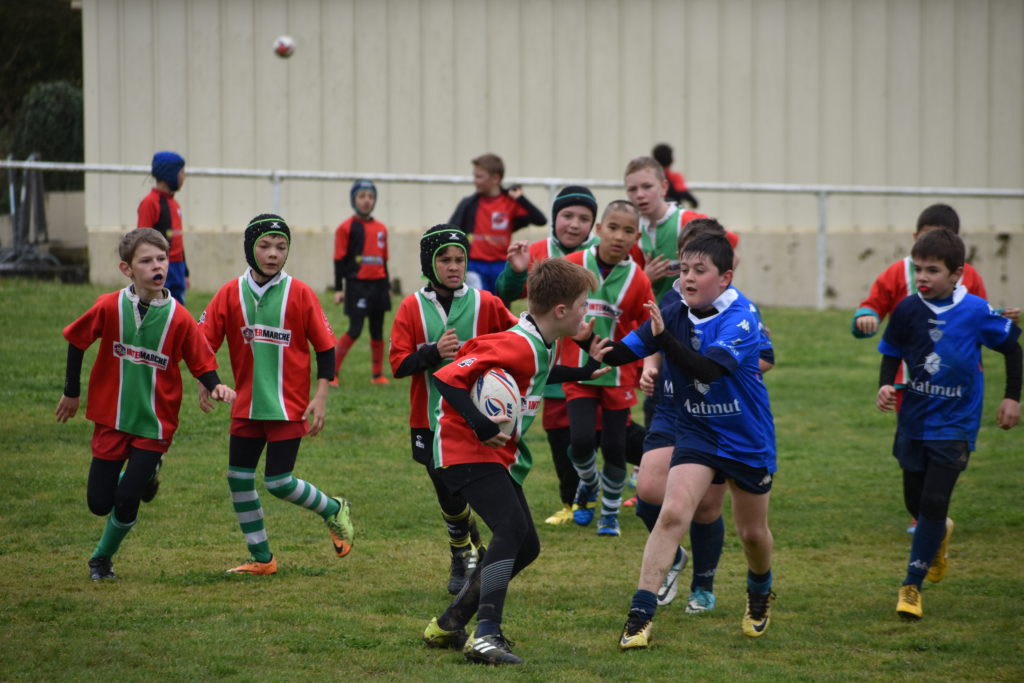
[
  {"x": 421, "y": 320},
  {"x": 492, "y": 227},
  {"x": 167, "y": 222},
  {"x": 135, "y": 383},
  {"x": 269, "y": 329},
  {"x": 522, "y": 352},
  {"x": 365, "y": 243},
  {"x": 676, "y": 180}
]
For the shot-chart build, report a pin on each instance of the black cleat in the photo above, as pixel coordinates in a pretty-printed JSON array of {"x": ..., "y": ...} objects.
[
  {"x": 493, "y": 650},
  {"x": 101, "y": 568}
]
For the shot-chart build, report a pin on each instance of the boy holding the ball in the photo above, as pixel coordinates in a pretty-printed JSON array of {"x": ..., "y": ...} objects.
[{"x": 487, "y": 466}]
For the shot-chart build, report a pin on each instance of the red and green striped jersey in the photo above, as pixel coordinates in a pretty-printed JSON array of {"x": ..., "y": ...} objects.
[
  {"x": 269, "y": 329},
  {"x": 135, "y": 384}
]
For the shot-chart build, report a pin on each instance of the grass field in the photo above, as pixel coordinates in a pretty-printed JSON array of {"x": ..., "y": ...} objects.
[{"x": 173, "y": 614}]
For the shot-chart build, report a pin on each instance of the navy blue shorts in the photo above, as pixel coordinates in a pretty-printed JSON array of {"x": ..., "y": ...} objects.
[
  {"x": 176, "y": 280},
  {"x": 756, "y": 480},
  {"x": 484, "y": 274},
  {"x": 914, "y": 455},
  {"x": 657, "y": 437}
]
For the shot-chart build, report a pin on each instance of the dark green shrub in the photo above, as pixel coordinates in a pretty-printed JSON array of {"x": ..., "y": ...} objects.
[{"x": 49, "y": 123}]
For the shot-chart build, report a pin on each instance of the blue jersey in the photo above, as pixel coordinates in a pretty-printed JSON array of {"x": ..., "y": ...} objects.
[
  {"x": 941, "y": 346},
  {"x": 663, "y": 420},
  {"x": 731, "y": 417}
]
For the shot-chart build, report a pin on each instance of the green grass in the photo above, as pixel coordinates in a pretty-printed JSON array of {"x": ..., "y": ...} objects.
[{"x": 173, "y": 614}]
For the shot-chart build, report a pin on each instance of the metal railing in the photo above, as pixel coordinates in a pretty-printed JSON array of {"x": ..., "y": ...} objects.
[{"x": 821, "y": 192}]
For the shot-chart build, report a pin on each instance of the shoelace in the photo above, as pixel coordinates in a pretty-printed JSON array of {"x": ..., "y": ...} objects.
[
  {"x": 470, "y": 557},
  {"x": 635, "y": 622},
  {"x": 759, "y": 604},
  {"x": 911, "y": 597}
]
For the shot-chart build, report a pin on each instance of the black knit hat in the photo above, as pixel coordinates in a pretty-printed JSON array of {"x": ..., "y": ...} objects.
[
  {"x": 433, "y": 241},
  {"x": 573, "y": 195},
  {"x": 264, "y": 224}
]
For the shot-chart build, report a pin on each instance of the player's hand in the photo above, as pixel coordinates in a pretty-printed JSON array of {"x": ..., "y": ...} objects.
[
  {"x": 886, "y": 398},
  {"x": 515, "y": 192},
  {"x": 205, "y": 404},
  {"x": 603, "y": 370},
  {"x": 448, "y": 344},
  {"x": 519, "y": 256},
  {"x": 339, "y": 298},
  {"x": 1013, "y": 314},
  {"x": 599, "y": 348},
  {"x": 67, "y": 408},
  {"x": 657, "y": 268},
  {"x": 223, "y": 393},
  {"x": 657, "y": 322},
  {"x": 1008, "y": 415},
  {"x": 648, "y": 379},
  {"x": 316, "y": 411},
  {"x": 501, "y": 438},
  {"x": 585, "y": 332},
  {"x": 866, "y": 324}
]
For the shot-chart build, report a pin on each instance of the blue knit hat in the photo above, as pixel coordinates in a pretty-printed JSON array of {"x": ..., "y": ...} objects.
[
  {"x": 166, "y": 166},
  {"x": 358, "y": 186}
]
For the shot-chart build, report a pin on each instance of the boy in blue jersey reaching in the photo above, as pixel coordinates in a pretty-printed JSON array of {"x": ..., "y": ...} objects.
[
  {"x": 938, "y": 333},
  {"x": 724, "y": 428}
]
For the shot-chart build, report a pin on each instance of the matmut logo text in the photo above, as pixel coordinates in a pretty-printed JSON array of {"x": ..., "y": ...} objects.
[
  {"x": 141, "y": 356},
  {"x": 261, "y": 334}
]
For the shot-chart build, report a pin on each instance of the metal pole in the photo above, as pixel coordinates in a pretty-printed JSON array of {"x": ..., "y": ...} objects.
[{"x": 822, "y": 249}]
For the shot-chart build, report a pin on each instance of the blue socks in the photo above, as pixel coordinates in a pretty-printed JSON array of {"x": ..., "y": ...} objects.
[
  {"x": 927, "y": 539},
  {"x": 646, "y": 602},
  {"x": 648, "y": 512},
  {"x": 706, "y": 549},
  {"x": 759, "y": 583}
]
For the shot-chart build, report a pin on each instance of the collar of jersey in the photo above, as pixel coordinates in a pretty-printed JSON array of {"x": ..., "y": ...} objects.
[
  {"x": 431, "y": 293},
  {"x": 724, "y": 301},
  {"x": 165, "y": 300},
  {"x": 958, "y": 295},
  {"x": 624, "y": 262},
  {"x": 258, "y": 289},
  {"x": 530, "y": 327}
]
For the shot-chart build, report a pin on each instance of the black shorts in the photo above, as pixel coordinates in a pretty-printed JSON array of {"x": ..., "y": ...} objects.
[
  {"x": 914, "y": 455},
  {"x": 364, "y": 297},
  {"x": 757, "y": 480},
  {"x": 422, "y": 446}
]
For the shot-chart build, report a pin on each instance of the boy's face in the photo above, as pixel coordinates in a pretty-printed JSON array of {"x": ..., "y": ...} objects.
[
  {"x": 933, "y": 278},
  {"x": 648, "y": 193},
  {"x": 619, "y": 231},
  {"x": 700, "y": 281},
  {"x": 572, "y": 316},
  {"x": 486, "y": 183},
  {"x": 148, "y": 269},
  {"x": 572, "y": 225},
  {"x": 364, "y": 201},
  {"x": 450, "y": 266},
  {"x": 271, "y": 253}
]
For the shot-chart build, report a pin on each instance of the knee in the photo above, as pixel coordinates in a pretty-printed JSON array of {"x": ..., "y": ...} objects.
[
  {"x": 934, "y": 506},
  {"x": 754, "y": 535},
  {"x": 100, "y": 505}
]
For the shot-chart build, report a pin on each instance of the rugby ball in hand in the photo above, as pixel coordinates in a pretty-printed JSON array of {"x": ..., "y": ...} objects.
[{"x": 495, "y": 394}]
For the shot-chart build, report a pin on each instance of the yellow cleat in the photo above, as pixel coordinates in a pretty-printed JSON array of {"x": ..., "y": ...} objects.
[
  {"x": 909, "y": 604},
  {"x": 256, "y": 568},
  {"x": 937, "y": 572},
  {"x": 636, "y": 634},
  {"x": 563, "y": 516},
  {"x": 435, "y": 636},
  {"x": 758, "y": 614}
]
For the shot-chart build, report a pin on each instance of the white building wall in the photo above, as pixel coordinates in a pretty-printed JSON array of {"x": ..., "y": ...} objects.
[{"x": 873, "y": 92}]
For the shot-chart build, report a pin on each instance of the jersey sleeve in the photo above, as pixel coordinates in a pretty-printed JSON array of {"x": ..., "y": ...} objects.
[
  {"x": 89, "y": 326},
  {"x": 995, "y": 329},
  {"x": 738, "y": 336},
  {"x": 403, "y": 333},
  {"x": 497, "y": 316},
  {"x": 893, "y": 339},
  {"x": 212, "y": 321},
  {"x": 149, "y": 213},
  {"x": 341, "y": 240},
  {"x": 886, "y": 291},
  {"x": 476, "y": 357},
  {"x": 318, "y": 327},
  {"x": 195, "y": 349}
]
